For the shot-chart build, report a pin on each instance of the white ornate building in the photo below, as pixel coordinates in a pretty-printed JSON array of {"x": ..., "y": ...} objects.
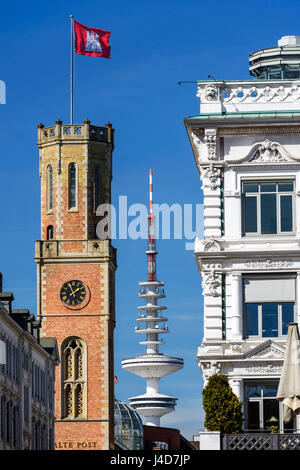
[{"x": 246, "y": 143}]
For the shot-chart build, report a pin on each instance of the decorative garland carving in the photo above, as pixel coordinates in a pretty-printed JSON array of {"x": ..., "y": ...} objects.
[
  {"x": 269, "y": 369},
  {"x": 236, "y": 348},
  {"x": 266, "y": 152},
  {"x": 270, "y": 264}
]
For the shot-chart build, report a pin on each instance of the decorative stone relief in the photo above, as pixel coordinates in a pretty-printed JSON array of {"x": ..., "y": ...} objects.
[
  {"x": 211, "y": 93},
  {"x": 208, "y": 93},
  {"x": 211, "y": 281},
  {"x": 254, "y": 94},
  {"x": 211, "y": 265},
  {"x": 269, "y": 352},
  {"x": 266, "y": 151},
  {"x": 269, "y": 264},
  {"x": 269, "y": 369},
  {"x": 195, "y": 135},
  {"x": 212, "y": 245},
  {"x": 236, "y": 348},
  {"x": 211, "y": 177},
  {"x": 210, "y": 138},
  {"x": 210, "y": 368}
]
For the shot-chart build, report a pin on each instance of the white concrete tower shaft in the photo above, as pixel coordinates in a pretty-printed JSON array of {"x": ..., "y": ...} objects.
[{"x": 152, "y": 365}]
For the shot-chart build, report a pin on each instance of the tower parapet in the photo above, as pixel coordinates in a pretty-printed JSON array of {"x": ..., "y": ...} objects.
[{"x": 78, "y": 132}]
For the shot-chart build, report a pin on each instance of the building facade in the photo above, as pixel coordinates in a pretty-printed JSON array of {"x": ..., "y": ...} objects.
[
  {"x": 246, "y": 143},
  {"x": 27, "y": 376},
  {"x": 76, "y": 272}
]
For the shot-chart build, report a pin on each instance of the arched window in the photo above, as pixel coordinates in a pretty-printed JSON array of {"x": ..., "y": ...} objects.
[
  {"x": 73, "y": 378},
  {"x": 72, "y": 185},
  {"x": 50, "y": 232},
  {"x": 96, "y": 188},
  {"x": 49, "y": 188}
]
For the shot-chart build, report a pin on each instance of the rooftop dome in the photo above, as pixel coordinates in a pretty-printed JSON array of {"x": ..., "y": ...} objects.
[{"x": 129, "y": 431}]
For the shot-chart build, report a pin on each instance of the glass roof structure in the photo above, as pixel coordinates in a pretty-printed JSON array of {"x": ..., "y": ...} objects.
[{"x": 129, "y": 431}]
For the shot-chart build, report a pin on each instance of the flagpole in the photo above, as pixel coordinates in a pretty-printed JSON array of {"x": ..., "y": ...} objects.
[{"x": 71, "y": 73}]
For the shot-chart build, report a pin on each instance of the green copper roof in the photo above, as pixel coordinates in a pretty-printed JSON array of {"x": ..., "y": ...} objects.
[{"x": 245, "y": 115}]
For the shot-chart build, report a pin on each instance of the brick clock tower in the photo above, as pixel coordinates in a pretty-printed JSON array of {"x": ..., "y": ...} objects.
[{"x": 75, "y": 280}]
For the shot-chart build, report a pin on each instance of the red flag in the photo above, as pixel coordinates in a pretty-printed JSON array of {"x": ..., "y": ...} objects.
[
  {"x": 91, "y": 41},
  {"x": 116, "y": 379}
]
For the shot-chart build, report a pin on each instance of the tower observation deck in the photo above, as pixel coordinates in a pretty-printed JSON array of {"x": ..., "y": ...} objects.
[{"x": 152, "y": 365}]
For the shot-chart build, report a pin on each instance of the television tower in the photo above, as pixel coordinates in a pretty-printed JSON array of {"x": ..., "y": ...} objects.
[{"x": 152, "y": 365}]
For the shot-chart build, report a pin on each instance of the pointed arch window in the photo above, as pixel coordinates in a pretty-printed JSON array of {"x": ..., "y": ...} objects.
[
  {"x": 74, "y": 378},
  {"x": 49, "y": 188},
  {"x": 73, "y": 177}
]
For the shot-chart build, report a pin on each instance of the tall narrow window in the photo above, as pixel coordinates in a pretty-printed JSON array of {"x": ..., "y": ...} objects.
[
  {"x": 96, "y": 189},
  {"x": 74, "y": 378},
  {"x": 49, "y": 188},
  {"x": 50, "y": 232},
  {"x": 72, "y": 186}
]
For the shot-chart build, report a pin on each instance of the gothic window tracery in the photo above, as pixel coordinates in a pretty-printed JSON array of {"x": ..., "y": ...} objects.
[{"x": 74, "y": 382}]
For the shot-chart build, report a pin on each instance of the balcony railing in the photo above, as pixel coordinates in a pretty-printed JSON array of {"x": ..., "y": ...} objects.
[{"x": 261, "y": 441}]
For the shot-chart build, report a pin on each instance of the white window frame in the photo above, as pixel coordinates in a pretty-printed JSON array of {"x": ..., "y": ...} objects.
[
  {"x": 260, "y": 401},
  {"x": 279, "y": 313},
  {"x": 278, "y": 214}
]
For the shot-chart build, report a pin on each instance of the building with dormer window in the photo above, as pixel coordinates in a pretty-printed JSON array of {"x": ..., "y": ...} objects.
[{"x": 246, "y": 143}]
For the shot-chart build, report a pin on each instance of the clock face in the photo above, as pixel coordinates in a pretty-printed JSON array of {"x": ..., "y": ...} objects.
[{"x": 73, "y": 294}]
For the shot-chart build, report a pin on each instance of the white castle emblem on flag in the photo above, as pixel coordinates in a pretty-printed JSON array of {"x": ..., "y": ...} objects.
[{"x": 92, "y": 42}]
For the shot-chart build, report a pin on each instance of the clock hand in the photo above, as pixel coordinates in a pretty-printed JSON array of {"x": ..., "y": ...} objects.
[
  {"x": 76, "y": 290},
  {"x": 71, "y": 289}
]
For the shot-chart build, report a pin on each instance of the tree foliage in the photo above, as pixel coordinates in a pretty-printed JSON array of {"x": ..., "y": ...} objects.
[{"x": 223, "y": 410}]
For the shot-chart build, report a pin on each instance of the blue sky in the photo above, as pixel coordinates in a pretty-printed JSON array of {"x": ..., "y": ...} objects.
[{"x": 154, "y": 45}]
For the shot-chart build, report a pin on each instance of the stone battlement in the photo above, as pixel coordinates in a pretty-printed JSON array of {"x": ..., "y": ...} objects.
[{"x": 74, "y": 132}]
